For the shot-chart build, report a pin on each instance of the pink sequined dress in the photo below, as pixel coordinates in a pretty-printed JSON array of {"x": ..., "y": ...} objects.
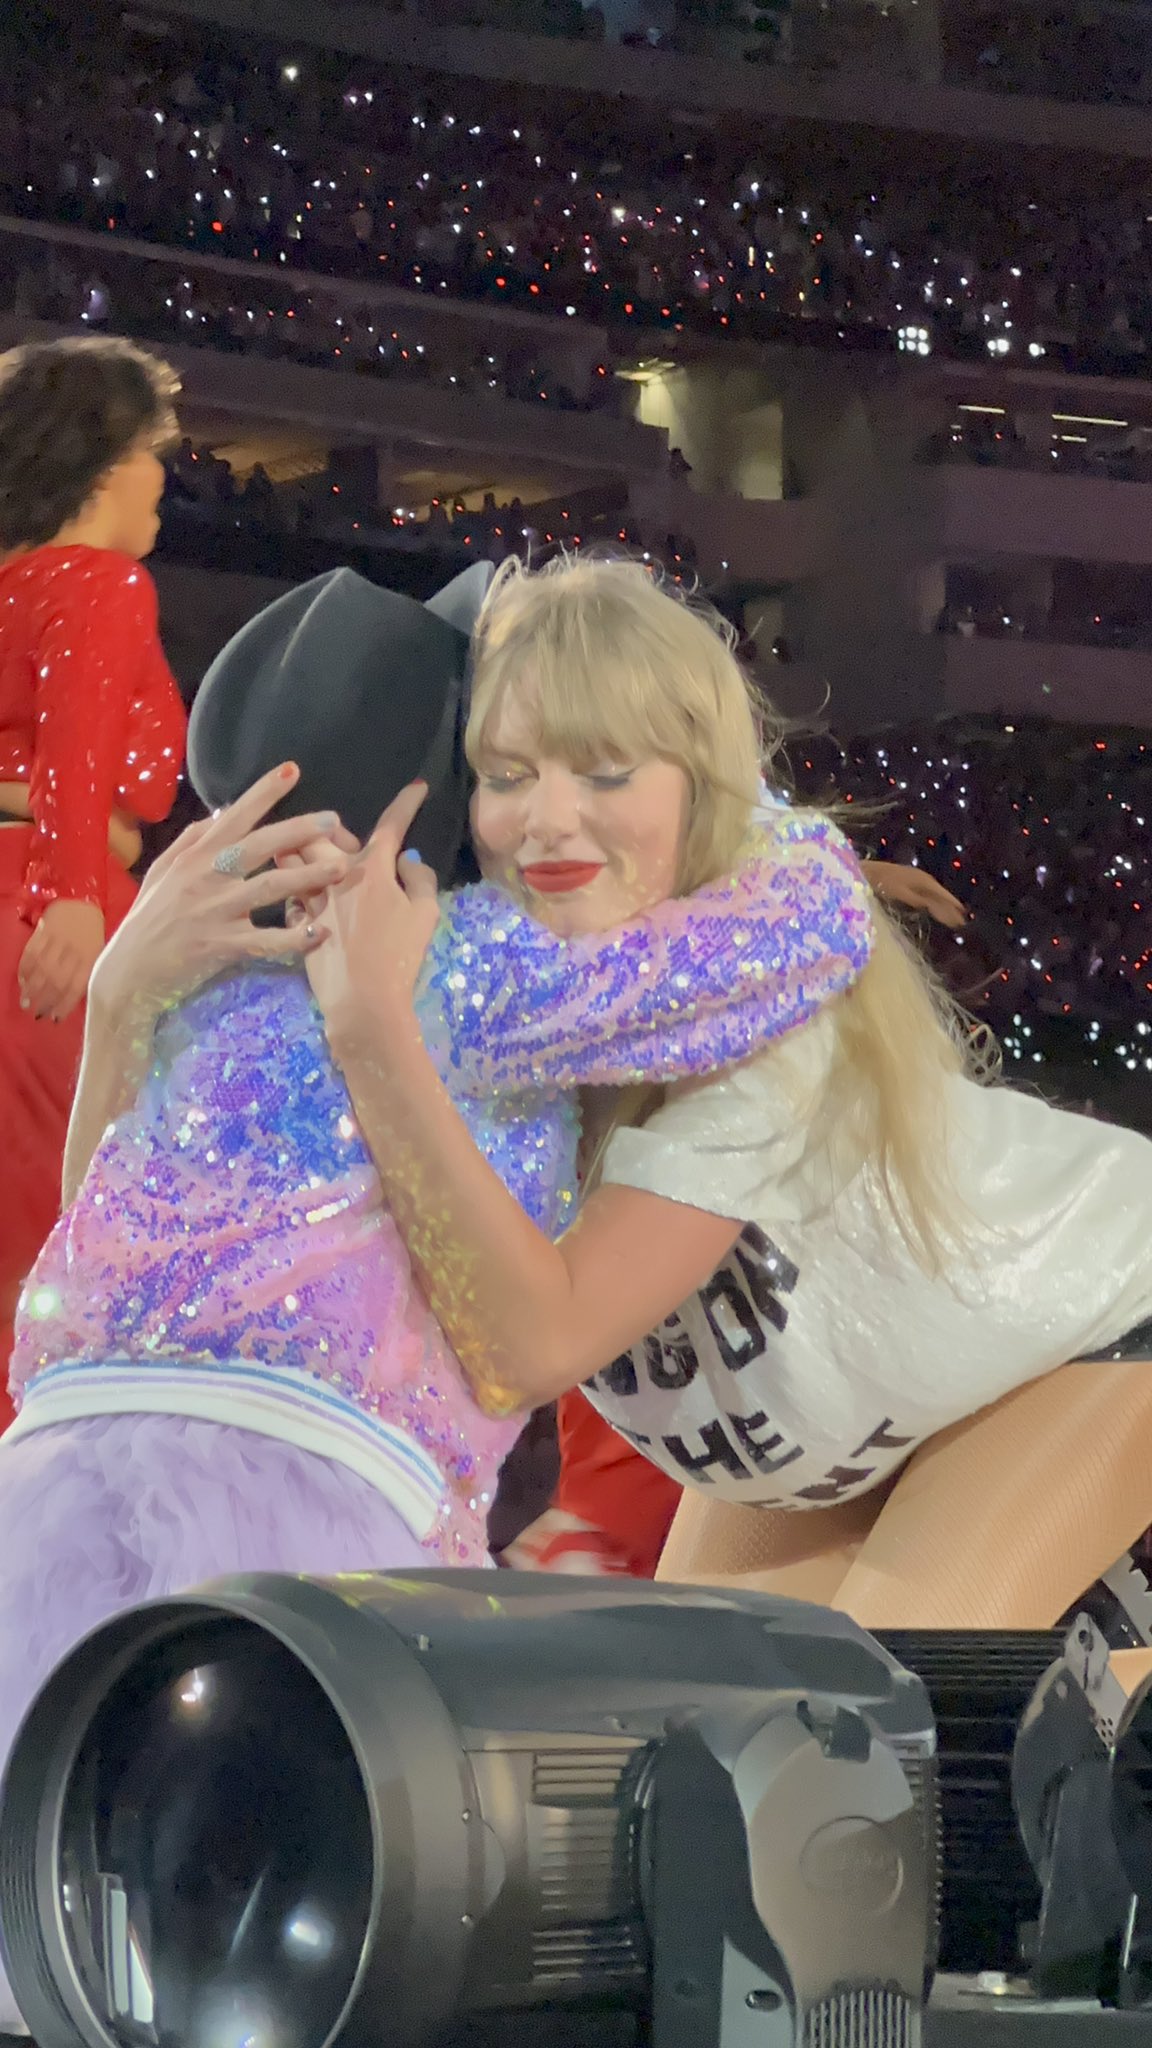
[{"x": 223, "y": 1360}]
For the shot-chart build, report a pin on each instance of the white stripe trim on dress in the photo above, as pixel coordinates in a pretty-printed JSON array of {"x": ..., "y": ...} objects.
[{"x": 274, "y": 1401}]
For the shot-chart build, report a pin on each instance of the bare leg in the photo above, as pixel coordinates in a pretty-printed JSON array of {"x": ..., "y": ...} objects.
[
  {"x": 1005, "y": 1519},
  {"x": 801, "y": 1556},
  {"x": 1131, "y": 1667}
]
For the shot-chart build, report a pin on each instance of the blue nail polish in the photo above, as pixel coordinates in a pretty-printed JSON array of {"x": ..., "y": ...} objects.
[{"x": 410, "y": 853}]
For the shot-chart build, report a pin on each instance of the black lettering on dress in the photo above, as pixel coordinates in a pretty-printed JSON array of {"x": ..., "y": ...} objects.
[
  {"x": 841, "y": 1480},
  {"x": 740, "y": 1345},
  {"x": 670, "y": 1357},
  {"x": 619, "y": 1377},
  {"x": 634, "y": 1436},
  {"x": 882, "y": 1440},
  {"x": 768, "y": 1273},
  {"x": 762, "y": 1450},
  {"x": 718, "y": 1450}
]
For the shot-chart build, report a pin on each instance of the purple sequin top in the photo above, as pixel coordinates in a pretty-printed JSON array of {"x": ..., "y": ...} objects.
[{"x": 234, "y": 1213}]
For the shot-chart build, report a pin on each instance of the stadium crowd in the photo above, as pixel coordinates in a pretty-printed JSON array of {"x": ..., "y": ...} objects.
[{"x": 587, "y": 208}]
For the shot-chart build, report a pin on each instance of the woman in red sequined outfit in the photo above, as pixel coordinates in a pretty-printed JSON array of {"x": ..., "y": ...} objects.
[{"x": 91, "y": 731}]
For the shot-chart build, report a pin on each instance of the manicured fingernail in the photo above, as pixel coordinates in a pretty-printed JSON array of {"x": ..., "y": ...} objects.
[
  {"x": 288, "y": 771},
  {"x": 410, "y": 853},
  {"x": 327, "y": 821}
]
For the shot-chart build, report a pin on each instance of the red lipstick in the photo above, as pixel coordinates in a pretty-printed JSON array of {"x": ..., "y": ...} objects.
[{"x": 557, "y": 877}]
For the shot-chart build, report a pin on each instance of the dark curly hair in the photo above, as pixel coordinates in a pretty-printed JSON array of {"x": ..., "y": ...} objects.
[{"x": 69, "y": 412}]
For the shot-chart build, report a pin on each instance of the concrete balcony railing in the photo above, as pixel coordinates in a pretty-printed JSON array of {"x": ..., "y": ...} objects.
[
  {"x": 1036, "y": 679},
  {"x": 346, "y": 409},
  {"x": 717, "y": 78},
  {"x": 982, "y": 513},
  {"x": 485, "y": 320},
  {"x": 752, "y": 540}
]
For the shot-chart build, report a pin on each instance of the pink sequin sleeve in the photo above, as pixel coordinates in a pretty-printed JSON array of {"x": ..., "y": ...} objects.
[{"x": 699, "y": 983}]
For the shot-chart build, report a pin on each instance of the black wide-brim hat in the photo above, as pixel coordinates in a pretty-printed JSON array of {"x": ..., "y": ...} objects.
[{"x": 364, "y": 688}]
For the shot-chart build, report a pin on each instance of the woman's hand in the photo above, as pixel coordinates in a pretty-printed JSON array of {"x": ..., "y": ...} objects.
[
  {"x": 915, "y": 890},
  {"x": 190, "y": 920},
  {"x": 379, "y": 924},
  {"x": 125, "y": 840},
  {"x": 58, "y": 960}
]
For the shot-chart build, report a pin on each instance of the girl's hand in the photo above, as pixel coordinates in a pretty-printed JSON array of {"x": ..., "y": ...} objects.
[
  {"x": 191, "y": 919},
  {"x": 378, "y": 923},
  {"x": 915, "y": 890}
]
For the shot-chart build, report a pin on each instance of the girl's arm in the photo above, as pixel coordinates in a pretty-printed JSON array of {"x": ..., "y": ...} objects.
[
  {"x": 191, "y": 922},
  {"x": 113, "y": 1064},
  {"x": 694, "y": 985}
]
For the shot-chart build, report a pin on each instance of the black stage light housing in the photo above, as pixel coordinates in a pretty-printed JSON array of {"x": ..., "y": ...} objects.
[
  {"x": 462, "y": 1807},
  {"x": 1082, "y": 1787},
  {"x": 980, "y": 1684}
]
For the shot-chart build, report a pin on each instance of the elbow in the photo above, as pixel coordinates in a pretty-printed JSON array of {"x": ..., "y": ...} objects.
[
  {"x": 502, "y": 1404},
  {"x": 520, "y": 1380}
]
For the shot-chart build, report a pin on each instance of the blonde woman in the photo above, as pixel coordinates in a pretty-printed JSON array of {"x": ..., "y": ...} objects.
[{"x": 794, "y": 1283}]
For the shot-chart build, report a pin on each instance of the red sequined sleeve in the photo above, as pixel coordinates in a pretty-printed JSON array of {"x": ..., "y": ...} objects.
[{"x": 99, "y": 666}]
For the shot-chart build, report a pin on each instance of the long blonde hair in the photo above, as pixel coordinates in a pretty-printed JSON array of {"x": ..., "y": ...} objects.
[{"x": 616, "y": 665}]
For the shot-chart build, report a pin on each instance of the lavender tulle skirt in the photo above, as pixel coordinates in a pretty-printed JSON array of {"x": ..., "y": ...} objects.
[{"x": 99, "y": 1515}]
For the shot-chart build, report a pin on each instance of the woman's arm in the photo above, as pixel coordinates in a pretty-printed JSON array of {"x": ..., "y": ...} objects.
[
  {"x": 124, "y": 837},
  {"x": 527, "y": 1318},
  {"x": 86, "y": 662},
  {"x": 915, "y": 889}
]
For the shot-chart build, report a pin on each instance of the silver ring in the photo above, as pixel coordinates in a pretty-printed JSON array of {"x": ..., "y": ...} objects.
[{"x": 229, "y": 861}]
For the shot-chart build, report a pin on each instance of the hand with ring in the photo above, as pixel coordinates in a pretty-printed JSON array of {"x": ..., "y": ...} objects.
[{"x": 193, "y": 916}]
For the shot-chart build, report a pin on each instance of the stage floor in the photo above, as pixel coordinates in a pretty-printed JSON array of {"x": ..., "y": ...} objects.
[{"x": 962, "y": 2015}]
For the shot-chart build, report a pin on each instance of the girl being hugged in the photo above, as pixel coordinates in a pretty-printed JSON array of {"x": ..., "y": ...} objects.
[
  {"x": 224, "y": 1359},
  {"x": 800, "y": 1282}
]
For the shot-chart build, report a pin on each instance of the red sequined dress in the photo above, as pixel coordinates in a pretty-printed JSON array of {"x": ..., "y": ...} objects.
[{"x": 91, "y": 721}]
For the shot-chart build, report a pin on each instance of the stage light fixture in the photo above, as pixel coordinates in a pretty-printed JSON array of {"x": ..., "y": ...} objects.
[
  {"x": 460, "y": 1807},
  {"x": 1082, "y": 1791}
]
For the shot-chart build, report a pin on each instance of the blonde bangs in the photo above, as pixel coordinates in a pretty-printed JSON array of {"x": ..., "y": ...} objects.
[
  {"x": 582, "y": 706},
  {"x": 608, "y": 666}
]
